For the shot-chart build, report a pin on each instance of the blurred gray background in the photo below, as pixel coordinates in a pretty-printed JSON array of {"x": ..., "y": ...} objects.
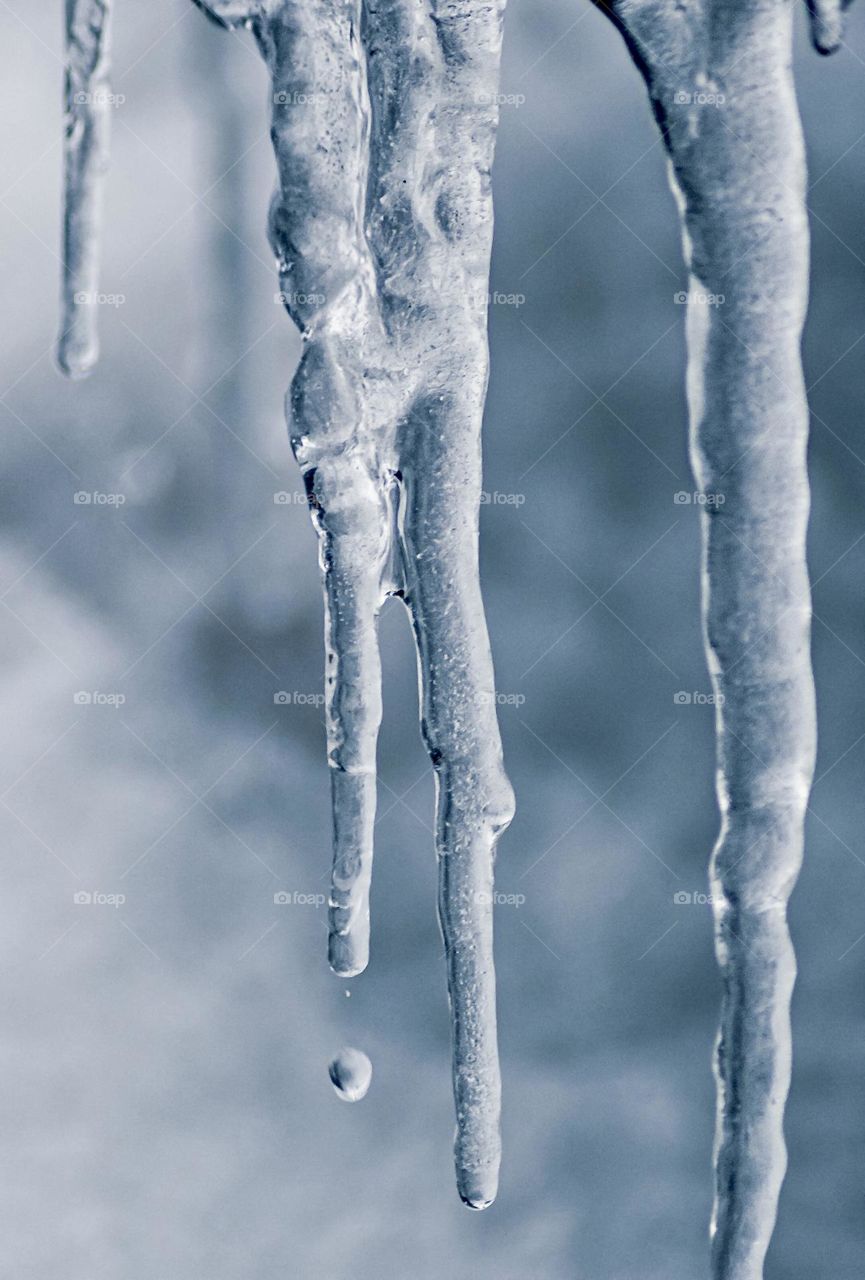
[{"x": 165, "y": 1103}]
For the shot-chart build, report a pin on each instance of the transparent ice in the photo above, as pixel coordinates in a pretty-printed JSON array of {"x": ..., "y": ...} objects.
[
  {"x": 720, "y": 81},
  {"x": 383, "y": 122},
  {"x": 87, "y": 118},
  {"x": 351, "y": 1074}
]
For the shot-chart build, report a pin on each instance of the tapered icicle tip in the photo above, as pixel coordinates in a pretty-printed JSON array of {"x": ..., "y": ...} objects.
[
  {"x": 827, "y": 25},
  {"x": 478, "y": 1192},
  {"x": 347, "y": 954},
  {"x": 353, "y": 797},
  {"x": 78, "y": 349}
]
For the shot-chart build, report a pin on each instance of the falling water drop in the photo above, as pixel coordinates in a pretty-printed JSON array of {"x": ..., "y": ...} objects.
[{"x": 351, "y": 1074}]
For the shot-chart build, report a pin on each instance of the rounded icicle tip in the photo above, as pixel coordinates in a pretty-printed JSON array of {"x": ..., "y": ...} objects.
[
  {"x": 476, "y": 1201},
  {"x": 478, "y": 1189},
  {"x": 76, "y": 360},
  {"x": 827, "y": 24},
  {"x": 350, "y": 1074},
  {"x": 347, "y": 954}
]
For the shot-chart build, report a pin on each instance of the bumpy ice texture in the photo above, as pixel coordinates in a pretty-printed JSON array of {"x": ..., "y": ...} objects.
[
  {"x": 384, "y": 121},
  {"x": 87, "y": 110},
  {"x": 720, "y": 82}
]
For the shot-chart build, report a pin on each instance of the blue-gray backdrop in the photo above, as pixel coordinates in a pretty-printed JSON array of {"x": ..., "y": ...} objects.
[{"x": 165, "y": 1103}]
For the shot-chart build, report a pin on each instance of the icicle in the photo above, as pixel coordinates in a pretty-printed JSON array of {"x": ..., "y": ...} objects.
[
  {"x": 720, "y": 81},
  {"x": 827, "y": 24},
  {"x": 351, "y": 1074},
  {"x": 384, "y": 119},
  {"x": 88, "y": 107}
]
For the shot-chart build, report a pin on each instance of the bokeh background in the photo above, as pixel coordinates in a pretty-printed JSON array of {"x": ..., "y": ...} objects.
[{"x": 165, "y": 1102}]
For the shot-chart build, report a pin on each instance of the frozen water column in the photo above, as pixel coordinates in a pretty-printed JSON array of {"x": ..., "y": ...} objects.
[
  {"x": 87, "y": 110},
  {"x": 720, "y": 82},
  {"x": 384, "y": 120}
]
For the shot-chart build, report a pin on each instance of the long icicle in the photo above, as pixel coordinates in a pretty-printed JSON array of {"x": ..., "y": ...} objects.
[
  {"x": 434, "y": 82},
  {"x": 720, "y": 80},
  {"x": 384, "y": 118},
  {"x": 87, "y": 110}
]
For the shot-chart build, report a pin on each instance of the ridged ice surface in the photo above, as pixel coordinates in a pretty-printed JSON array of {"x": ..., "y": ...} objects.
[
  {"x": 384, "y": 120},
  {"x": 351, "y": 1074},
  {"x": 720, "y": 81},
  {"x": 87, "y": 110}
]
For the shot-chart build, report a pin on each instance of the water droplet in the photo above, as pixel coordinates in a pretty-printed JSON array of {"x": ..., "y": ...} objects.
[{"x": 351, "y": 1074}]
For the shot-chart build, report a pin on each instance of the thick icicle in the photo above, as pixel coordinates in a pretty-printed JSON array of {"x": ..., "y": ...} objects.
[
  {"x": 88, "y": 108},
  {"x": 384, "y": 119},
  {"x": 720, "y": 81}
]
